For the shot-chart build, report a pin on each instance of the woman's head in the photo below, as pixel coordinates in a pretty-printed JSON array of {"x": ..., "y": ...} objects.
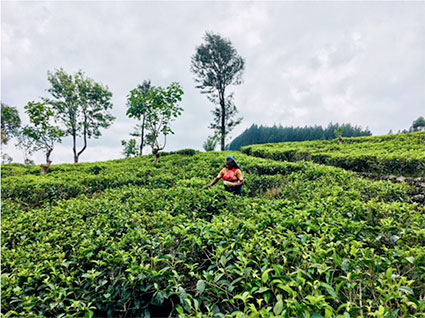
[{"x": 231, "y": 163}]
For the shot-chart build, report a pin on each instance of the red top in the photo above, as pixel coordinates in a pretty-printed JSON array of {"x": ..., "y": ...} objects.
[{"x": 230, "y": 175}]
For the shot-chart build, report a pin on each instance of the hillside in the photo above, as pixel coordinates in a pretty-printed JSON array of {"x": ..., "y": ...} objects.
[
  {"x": 275, "y": 134},
  {"x": 131, "y": 238},
  {"x": 402, "y": 154}
]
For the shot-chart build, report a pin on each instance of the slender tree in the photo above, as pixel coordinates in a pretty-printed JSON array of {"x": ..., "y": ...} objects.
[
  {"x": 42, "y": 132},
  {"x": 10, "y": 123},
  {"x": 130, "y": 148},
  {"x": 162, "y": 110},
  {"x": 338, "y": 134},
  {"x": 137, "y": 106},
  {"x": 210, "y": 143},
  {"x": 217, "y": 65},
  {"x": 81, "y": 105}
]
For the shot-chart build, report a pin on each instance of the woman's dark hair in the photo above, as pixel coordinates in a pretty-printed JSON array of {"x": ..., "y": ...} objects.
[{"x": 233, "y": 161}]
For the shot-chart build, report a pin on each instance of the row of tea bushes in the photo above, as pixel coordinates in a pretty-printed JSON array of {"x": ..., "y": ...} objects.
[
  {"x": 134, "y": 251},
  {"x": 402, "y": 154},
  {"x": 305, "y": 241},
  {"x": 67, "y": 181}
]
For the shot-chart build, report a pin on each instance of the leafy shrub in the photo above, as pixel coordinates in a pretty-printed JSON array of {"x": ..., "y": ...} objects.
[
  {"x": 402, "y": 154},
  {"x": 134, "y": 238}
]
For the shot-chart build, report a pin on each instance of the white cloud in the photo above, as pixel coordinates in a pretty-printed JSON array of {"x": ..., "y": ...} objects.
[{"x": 306, "y": 62}]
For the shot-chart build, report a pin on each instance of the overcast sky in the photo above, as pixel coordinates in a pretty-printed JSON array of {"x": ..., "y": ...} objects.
[{"x": 306, "y": 62}]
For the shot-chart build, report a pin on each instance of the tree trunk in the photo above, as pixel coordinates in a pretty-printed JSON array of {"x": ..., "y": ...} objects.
[
  {"x": 156, "y": 153},
  {"x": 223, "y": 120},
  {"x": 142, "y": 138},
  {"x": 48, "y": 155},
  {"x": 85, "y": 144},
  {"x": 45, "y": 168},
  {"x": 74, "y": 146},
  {"x": 157, "y": 156}
]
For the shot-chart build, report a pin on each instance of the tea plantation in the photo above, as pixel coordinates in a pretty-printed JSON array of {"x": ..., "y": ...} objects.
[
  {"x": 130, "y": 238},
  {"x": 402, "y": 154}
]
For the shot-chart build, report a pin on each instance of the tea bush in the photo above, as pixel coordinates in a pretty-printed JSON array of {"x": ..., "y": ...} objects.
[
  {"x": 402, "y": 154},
  {"x": 132, "y": 238}
]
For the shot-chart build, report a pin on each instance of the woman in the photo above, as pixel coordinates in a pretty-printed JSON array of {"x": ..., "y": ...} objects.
[{"x": 232, "y": 176}]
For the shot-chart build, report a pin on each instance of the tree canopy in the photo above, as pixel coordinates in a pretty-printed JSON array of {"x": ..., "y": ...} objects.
[
  {"x": 137, "y": 108},
  {"x": 10, "y": 122},
  {"x": 418, "y": 124},
  {"x": 42, "y": 132},
  {"x": 81, "y": 105},
  {"x": 158, "y": 107}
]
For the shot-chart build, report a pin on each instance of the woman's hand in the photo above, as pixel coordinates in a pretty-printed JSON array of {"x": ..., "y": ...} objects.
[
  {"x": 212, "y": 183},
  {"x": 235, "y": 184}
]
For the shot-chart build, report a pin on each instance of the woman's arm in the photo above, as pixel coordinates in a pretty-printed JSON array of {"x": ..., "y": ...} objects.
[
  {"x": 214, "y": 182},
  {"x": 217, "y": 179}
]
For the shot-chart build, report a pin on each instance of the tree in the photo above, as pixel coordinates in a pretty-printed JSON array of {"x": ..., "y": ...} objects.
[
  {"x": 10, "y": 123},
  {"x": 137, "y": 109},
  {"x": 210, "y": 143},
  {"x": 5, "y": 158},
  {"x": 261, "y": 134},
  {"x": 338, "y": 133},
  {"x": 26, "y": 144},
  {"x": 161, "y": 110},
  {"x": 81, "y": 105},
  {"x": 217, "y": 65},
  {"x": 130, "y": 148},
  {"x": 41, "y": 133},
  {"x": 418, "y": 124}
]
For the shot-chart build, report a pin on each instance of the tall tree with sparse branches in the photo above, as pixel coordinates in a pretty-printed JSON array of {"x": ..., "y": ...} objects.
[{"x": 217, "y": 65}]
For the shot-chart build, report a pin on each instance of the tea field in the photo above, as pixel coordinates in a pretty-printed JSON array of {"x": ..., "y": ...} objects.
[
  {"x": 402, "y": 154},
  {"x": 130, "y": 238}
]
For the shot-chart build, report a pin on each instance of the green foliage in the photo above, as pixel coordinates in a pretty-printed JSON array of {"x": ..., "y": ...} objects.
[
  {"x": 138, "y": 105},
  {"x": 339, "y": 131},
  {"x": 10, "y": 122},
  {"x": 217, "y": 65},
  {"x": 41, "y": 133},
  {"x": 262, "y": 134},
  {"x": 161, "y": 109},
  {"x": 185, "y": 152},
  {"x": 418, "y": 124},
  {"x": 81, "y": 105},
  {"x": 6, "y": 159},
  {"x": 402, "y": 154},
  {"x": 130, "y": 148},
  {"x": 210, "y": 143},
  {"x": 137, "y": 238}
]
